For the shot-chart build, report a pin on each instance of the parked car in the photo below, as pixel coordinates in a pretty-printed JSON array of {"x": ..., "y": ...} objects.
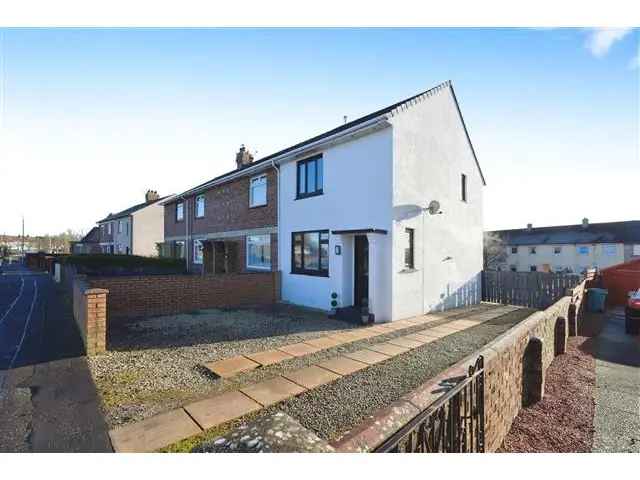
[{"x": 632, "y": 313}]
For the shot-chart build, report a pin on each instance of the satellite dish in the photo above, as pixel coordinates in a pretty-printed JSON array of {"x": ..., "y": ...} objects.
[{"x": 434, "y": 207}]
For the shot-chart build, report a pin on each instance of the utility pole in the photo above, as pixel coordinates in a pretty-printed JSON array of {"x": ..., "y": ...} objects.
[{"x": 23, "y": 237}]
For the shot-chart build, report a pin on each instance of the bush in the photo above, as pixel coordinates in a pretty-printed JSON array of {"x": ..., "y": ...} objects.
[{"x": 107, "y": 264}]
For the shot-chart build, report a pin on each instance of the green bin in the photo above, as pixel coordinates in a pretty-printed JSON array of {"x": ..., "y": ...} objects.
[{"x": 597, "y": 299}]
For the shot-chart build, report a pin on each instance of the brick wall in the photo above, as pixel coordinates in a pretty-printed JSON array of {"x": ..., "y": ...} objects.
[
  {"x": 226, "y": 209},
  {"x": 90, "y": 315},
  {"x": 139, "y": 296}
]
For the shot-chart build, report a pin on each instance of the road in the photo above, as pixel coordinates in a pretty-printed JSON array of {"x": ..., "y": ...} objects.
[{"x": 48, "y": 401}]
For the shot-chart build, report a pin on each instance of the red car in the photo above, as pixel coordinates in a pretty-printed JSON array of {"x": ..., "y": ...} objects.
[{"x": 632, "y": 313}]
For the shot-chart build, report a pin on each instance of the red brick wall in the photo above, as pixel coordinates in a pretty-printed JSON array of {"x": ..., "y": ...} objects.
[
  {"x": 226, "y": 209},
  {"x": 139, "y": 296},
  {"x": 90, "y": 314}
]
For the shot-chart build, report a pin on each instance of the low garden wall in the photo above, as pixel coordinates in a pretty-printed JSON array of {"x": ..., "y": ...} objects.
[
  {"x": 514, "y": 369},
  {"x": 90, "y": 315},
  {"x": 140, "y": 296}
]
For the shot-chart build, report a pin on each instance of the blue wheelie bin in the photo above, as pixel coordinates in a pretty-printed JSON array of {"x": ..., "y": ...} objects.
[{"x": 597, "y": 299}]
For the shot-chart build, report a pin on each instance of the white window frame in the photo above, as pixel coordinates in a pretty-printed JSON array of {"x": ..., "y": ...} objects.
[
  {"x": 268, "y": 242},
  {"x": 200, "y": 201},
  {"x": 252, "y": 201},
  {"x": 635, "y": 250},
  {"x": 196, "y": 260},
  {"x": 119, "y": 226},
  {"x": 180, "y": 210},
  {"x": 109, "y": 228}
]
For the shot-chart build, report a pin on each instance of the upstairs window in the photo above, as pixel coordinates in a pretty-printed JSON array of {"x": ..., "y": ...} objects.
[
  {"x": 583, "y": 250},
  {"x": 310, "y": 253},
  {"x": 109, "y": 228},
  {"x": 636, "y": 250},
  {"x": 532, "y": 251},
  {"x": 119, "y": 226},
  {"x": 463, "y": 187},
  {"x": 309, "y": 177},
  {"x": 258, "y": 191},
  {"x": 514, "y": 249},
  {"x": 557, "y": 250},
  {"x": 533, "y": 268},
  {"x": 408, "y": 249},
  {"x": 179, "y": 211},
  {"x": 200, "y": 206}
]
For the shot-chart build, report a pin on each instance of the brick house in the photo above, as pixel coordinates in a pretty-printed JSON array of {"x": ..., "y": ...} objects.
[
  {"x": 228, "y": 224},
  {"x": 136, "y": 230}
]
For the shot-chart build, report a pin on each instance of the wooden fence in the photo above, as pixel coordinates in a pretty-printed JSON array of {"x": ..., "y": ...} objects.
[{"x": 527, "y": 289}]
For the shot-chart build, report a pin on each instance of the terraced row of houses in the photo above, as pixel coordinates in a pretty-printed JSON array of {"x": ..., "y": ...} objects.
[{"x": 383, "y": 213}]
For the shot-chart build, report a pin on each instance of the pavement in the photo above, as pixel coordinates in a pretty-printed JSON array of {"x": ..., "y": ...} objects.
[
  {"x": 617, "y": 391},
  {"x": 48, "y": 401}
]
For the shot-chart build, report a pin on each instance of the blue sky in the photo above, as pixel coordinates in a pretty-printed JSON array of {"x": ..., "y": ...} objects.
[{"x": 90, "y": 119}]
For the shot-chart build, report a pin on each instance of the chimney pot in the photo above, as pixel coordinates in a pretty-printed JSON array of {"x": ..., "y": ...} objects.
[
  {"x": 243, "y": 157},
  {"x": 151, "y": 196},
  {"x": 585, "y": 222},
  {"x": 529, "y": 227}
]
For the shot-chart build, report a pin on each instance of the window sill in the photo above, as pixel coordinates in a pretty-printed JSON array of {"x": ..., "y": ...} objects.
[
  {"x": 198, "y": 218},
  {"x": 257, "y": 206},
  {"x": 258, "y": 269},
  {"x": 302, "y": 196},
  {"x": 310, "y": 273},
  {"x": 408, "y": 270}
]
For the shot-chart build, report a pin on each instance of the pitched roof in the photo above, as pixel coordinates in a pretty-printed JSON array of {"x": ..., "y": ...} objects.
[
  {"x": 607, "y": 232},
  {"x": 91, "y": 237},
  {"x": 386, "y": 110},
  {"x": 128, "y": 211}
]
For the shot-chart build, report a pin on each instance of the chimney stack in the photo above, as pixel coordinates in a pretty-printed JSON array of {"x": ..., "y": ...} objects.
[
  {"x": 151, "y": 196},
  {"x": 243, "y": 157},
  {"x": 529, "y": 227},
  {"x": 585, "y": 222}
]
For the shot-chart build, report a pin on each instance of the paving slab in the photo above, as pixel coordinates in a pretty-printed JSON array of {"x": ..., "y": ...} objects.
[
  {"x": 221, "y": 408},
  {"x": 405, "y": 342},
  {"x": 342, "y": 365},
  {"x": 464, "y": 323},
  {"x": 269, "y": 357},
  {"x": 436, "y": 332},
  {"x": 421, "y": 338},
  {"x": 367, "y": 356},
  {"x": 377, "y": 330},
  {"x": 339, "y": 337},
  {"x": 323, "y": 342},
  {"x": 272, "y": 391},
  {"x": 154, "y": 433},
  {"x": 388, "y": 349},
  {"x": 299, "y": 349},
  {"x": 311, "y": 377},
  {"x": 228, "y": 367}
]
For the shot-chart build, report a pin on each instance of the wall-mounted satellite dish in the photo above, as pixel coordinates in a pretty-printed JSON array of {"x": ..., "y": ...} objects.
[{"x": 434, "y": 207}]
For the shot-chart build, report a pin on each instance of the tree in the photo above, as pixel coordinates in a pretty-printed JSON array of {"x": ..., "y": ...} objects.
[{"x": 494, "y": 251}]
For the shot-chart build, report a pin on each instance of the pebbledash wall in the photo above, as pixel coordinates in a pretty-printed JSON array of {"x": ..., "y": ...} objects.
[
  {"x": 140, "y": 296},
  {"x": 515, "y": 367}
]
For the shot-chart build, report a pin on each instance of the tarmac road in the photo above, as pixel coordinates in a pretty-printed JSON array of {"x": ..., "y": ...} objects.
[{"x": 48, "y": 401}]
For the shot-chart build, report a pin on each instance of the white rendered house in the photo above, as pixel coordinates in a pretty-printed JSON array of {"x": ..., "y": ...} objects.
[{"x": 353, "y": 220}]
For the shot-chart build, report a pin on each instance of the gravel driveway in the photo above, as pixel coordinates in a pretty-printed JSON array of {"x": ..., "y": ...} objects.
[{"x": 155, "y": 364}]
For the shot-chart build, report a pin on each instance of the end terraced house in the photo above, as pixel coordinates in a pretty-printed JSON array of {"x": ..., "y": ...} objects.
[
  {"x": 382, "y": 215},
  {"x": 136, "y": 230}
]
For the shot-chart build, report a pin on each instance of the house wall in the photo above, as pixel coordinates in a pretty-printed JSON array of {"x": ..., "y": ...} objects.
[
  {"x": 357, "y": 195},
  {"x": 227, "y": 216},
  {"x": 147, "y": 230},
  {"x": 599, "y": 255},
  {"x": 105, "y": 237},
  {"x": 122, "y": 240},
  {"x": 430, "y": 153}
]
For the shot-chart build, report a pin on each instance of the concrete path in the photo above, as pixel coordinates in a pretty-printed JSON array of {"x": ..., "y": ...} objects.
[
  {"x": 48, "y": 401},
  {"x": 617, "y": 392}
]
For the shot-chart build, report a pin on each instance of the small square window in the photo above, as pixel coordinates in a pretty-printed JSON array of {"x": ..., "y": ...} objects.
[
  {"x": 533, "y": 268},
  {"x": 514, "y": 249},
  {"x": 557, "y": 250},
  {"x": 532, "y": 250},
  {"x": 513, "y": 268}
]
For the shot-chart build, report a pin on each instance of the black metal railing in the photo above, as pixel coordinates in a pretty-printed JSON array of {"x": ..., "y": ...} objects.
[{"x": 452, "y": 424}]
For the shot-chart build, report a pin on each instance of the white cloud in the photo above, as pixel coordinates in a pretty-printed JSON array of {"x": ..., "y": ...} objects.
[
  {"x": 634, "y": 63},
  {"x": 600, "y": 40}
]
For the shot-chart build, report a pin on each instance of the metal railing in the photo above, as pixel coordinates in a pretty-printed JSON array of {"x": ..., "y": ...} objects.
[{"x": 452, "y": 424}]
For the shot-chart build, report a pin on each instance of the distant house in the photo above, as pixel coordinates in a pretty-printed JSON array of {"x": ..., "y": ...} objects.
[
  {"x": 345, "y": 214},
  {"x": 137, "y": 230},
  {"x": 569, "y": 248},
  {"x": 90, "y": 243},
  {"x": 227, "y": 224}
]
